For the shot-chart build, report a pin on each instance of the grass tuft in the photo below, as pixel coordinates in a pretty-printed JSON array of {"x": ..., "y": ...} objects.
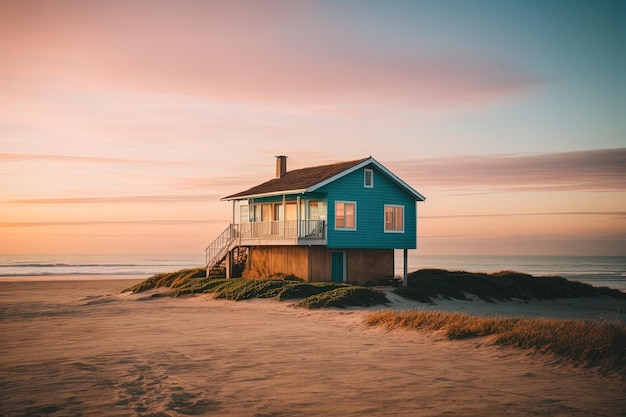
[
  {"x": 242, "y": 289},
  {"x": 168, "y": 279},
  {"x": 307, "y": 290},
  {"x": 344, "y": 296},
  {"x": 583, "y": 342},
  {"x": 197, "y": 286}
]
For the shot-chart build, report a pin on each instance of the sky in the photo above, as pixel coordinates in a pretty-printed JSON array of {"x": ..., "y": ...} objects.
[{"x": 123, "y": 123}]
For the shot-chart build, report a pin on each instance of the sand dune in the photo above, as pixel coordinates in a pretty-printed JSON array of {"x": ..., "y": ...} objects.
[{"x": 81, "y": 348}]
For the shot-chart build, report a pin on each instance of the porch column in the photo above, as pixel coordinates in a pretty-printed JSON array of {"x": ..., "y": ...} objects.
[
  {"x": 405, "y": 275},
  {"x": 284, "y": 216},
  {"x": 298, "y": 217}
]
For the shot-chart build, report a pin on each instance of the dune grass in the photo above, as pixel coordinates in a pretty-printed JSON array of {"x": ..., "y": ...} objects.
[
  {"x": 344, "y": 296},
  {"x": 583, "y": 342},
  {"x": 426, "y": 284},
  {"x": 169, "y": 279},
  {"x": 309, "y": 295},
  {"x": 241, "y": 289}
]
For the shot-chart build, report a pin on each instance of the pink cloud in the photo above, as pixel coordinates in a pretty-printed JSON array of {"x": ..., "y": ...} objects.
[
  {"x": 172, "y": 222},
  {"x": 593, "y": 170},
  {"x": 555, "y": 213},
  {"x": 142, "y": 199},
  {"x": 279, "y": 51},
  {"x": 83, "y": 159}
]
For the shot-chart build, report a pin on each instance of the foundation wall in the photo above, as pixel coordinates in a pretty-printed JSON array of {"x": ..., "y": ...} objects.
[
  {"x": 313, "y": 263},
  {"x": 265, "y": 261},
  {"x": 319, "y": 261},
  {"x": 365, "y": 265}
]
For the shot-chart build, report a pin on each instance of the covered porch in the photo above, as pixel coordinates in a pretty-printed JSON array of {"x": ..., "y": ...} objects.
[{"x": 281, "y": 232}]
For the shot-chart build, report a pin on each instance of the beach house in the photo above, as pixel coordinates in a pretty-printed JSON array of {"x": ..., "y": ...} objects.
[{"x": 338, "y": 222}]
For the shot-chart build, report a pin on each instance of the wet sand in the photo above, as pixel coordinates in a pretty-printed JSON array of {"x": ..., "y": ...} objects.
[{"x": 74, "y": 348}]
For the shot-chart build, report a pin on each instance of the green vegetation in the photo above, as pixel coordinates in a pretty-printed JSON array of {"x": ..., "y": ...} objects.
[
  {"x": 310, "y": 295},
  {"x": 583, "y": 342},
  {"x": 344, "y": 296},
  {"x": 169, "y": 279},
  {"x": 425, "y": 284},
  {"x": 241, "y": 289},
  {"x": 305, "y": 290}
]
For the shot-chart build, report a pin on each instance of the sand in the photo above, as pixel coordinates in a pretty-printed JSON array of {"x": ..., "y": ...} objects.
[{"x": 79, "y": 348}]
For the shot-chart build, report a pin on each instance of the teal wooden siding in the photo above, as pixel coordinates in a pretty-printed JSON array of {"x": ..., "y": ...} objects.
[{"x": 370, "y": 203}]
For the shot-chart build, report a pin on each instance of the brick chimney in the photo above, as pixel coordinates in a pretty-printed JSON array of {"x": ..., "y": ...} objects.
[{"x": 281, "y": 166}]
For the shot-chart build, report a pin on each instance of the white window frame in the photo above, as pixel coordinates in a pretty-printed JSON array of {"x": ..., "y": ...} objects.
[
  {"x": 371, "y": 172},
  {"x": 394, "y": 206},
  {"x": 344, "y": 215}
]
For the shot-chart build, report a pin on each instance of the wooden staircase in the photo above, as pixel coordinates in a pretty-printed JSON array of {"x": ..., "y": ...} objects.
[{"x": 217, "y": 251}]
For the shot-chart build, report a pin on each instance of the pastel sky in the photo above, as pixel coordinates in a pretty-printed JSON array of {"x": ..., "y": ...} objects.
[{"x": 122, "y": 123}]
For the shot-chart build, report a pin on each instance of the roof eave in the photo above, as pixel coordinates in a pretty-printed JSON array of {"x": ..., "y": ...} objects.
[{"x": 269, "y": 194}]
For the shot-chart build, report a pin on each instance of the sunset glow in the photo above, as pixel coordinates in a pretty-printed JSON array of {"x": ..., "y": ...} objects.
[{"x": 122, "y": 124}]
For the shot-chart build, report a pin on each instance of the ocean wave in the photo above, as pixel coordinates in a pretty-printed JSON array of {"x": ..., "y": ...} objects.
[
  {"x": 58, "y": 274},
  {"x": 65, "y": 265}
]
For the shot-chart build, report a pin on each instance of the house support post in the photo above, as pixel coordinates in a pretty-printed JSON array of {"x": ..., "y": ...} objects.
[
  {"x": 229, "y": 264},
  {"x": 405, "y": 275}
]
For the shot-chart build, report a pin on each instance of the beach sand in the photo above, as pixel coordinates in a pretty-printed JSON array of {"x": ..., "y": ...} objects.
[{"x": 80, "y": 348}]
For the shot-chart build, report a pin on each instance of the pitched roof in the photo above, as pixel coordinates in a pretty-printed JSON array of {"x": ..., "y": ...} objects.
[
  {"x": 297, "y": 180},
  {"x": 313, "y": 178}
]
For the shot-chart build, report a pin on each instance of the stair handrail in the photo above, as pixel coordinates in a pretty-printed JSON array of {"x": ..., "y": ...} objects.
[{"x": 220, "y": 246}]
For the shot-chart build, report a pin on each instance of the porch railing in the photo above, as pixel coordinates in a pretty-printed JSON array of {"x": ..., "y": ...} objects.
[{"x": 289, "y": 229}]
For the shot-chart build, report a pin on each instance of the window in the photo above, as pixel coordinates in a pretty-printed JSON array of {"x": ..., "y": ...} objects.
[
  {"x": 345, "y": 215},
  {"x": 244, "y": 214},
  {"x": 368, "y": 178},
  {"x": 394, "y": 218}
]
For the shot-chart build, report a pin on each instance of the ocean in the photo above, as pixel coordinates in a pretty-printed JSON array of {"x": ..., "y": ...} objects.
[
  {"x": 609, "y": 271},
  {"x": 93, "y": 266}
]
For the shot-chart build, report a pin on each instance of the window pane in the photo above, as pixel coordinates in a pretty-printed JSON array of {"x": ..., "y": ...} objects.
[
  {"x": 291, "y": 211},
  {"x": 388, "y": 218},
  {"x": 350, "y": 216},
  {"x": 266, "y": 212},
  {"x": 398, "y": 218},
  {"x": 278, "y": 212},
  {"x": 339, "y": 215},
  {"x": 313, "y": 210}
]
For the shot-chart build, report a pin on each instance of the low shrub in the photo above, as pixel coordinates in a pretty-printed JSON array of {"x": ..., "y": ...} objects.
[
  {"x": 197, "y": 286},
  {"x": 425, "y": 284},
  {"x": 306, "y": 290},
  {"x": 343, "y": 297},
  {"x": 241, "y": 289},
  {"x": 168, "y": 279},
  {"x": 284, "y": 287}
]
